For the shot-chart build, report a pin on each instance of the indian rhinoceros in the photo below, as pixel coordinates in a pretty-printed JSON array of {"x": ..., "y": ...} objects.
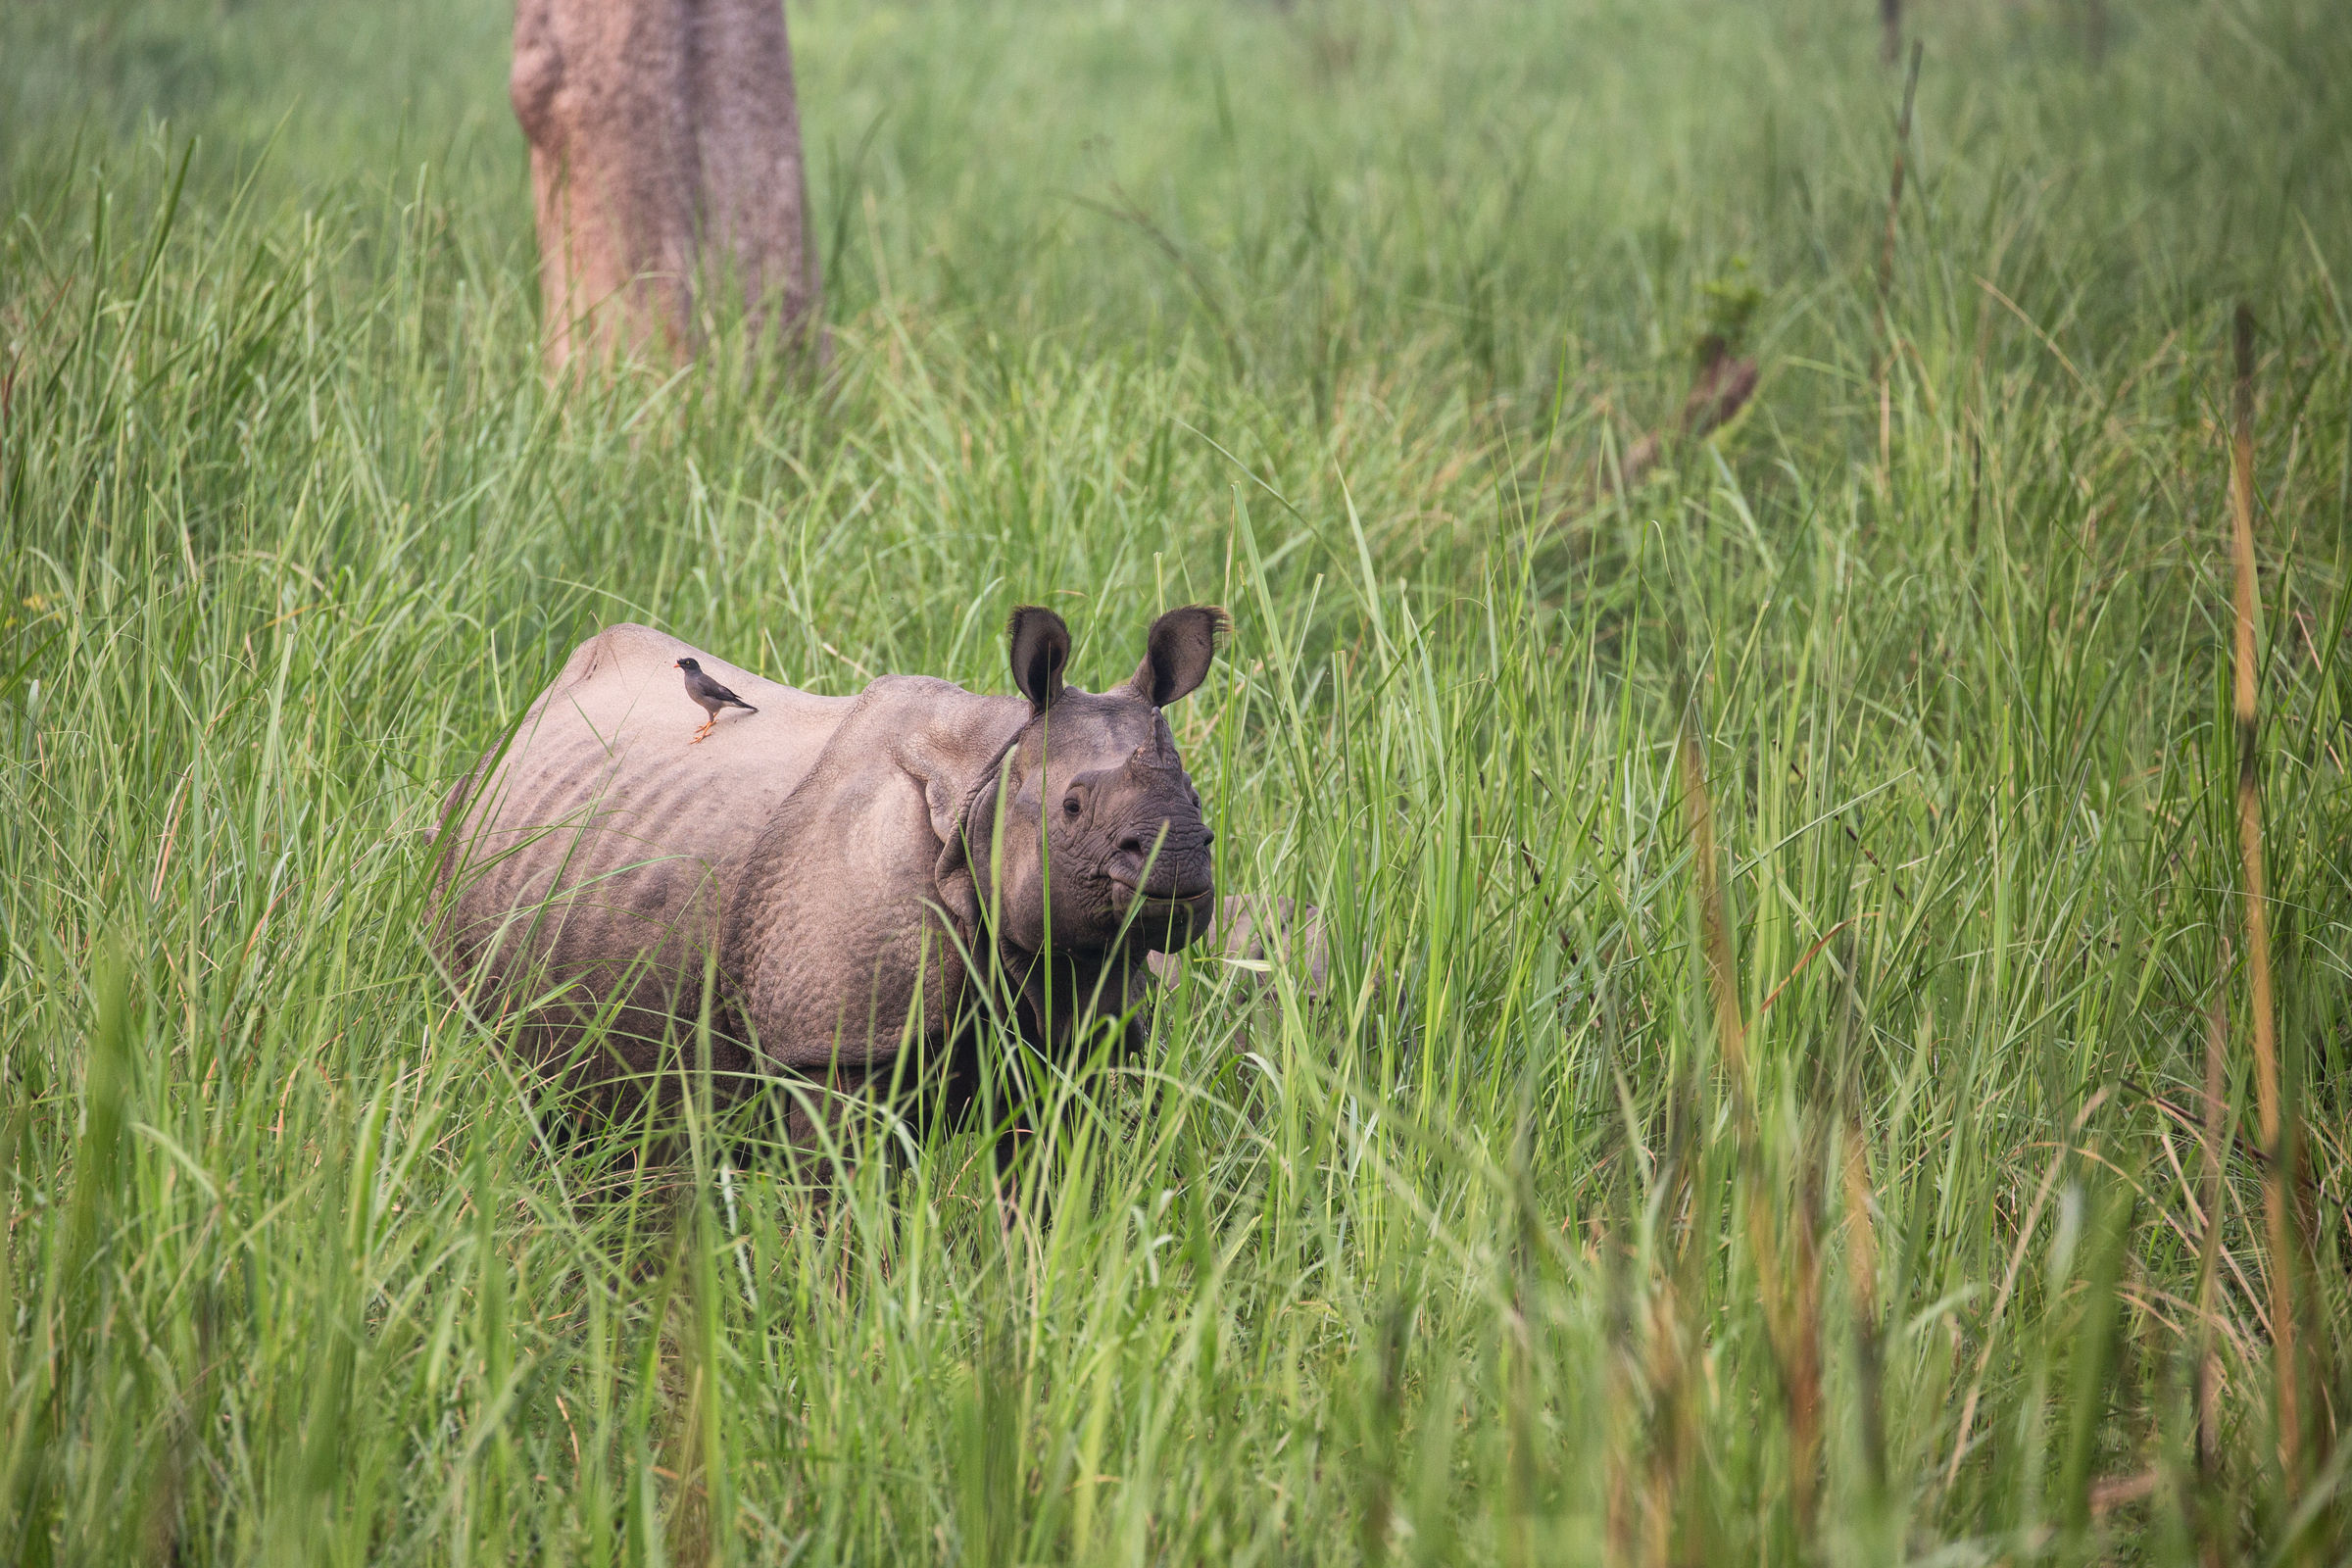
[{"x": 858, "y": 881}]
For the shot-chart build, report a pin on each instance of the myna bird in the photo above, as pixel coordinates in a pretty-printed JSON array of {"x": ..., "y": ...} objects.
[{"x": 708, "y": 695}]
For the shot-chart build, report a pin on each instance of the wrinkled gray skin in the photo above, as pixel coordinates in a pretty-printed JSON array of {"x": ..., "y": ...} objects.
[{"x": 830, "y": 867}]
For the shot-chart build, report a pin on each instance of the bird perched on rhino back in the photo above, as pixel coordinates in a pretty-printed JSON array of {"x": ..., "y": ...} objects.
[
  {"x": 859, "y": 877},
  {"x": 708, "y": 695}
]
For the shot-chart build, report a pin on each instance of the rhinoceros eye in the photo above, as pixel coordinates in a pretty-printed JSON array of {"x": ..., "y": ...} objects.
[{"x": 1069, "y": 806}]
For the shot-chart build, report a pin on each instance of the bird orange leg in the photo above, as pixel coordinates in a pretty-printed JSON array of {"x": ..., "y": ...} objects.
[{"x": 704, "y": 731}]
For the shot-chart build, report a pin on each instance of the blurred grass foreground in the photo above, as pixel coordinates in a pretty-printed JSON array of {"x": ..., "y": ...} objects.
[{"x": 1789, "y": 1089}]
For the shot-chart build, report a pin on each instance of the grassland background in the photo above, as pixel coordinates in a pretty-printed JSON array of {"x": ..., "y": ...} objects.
[{"x": 1333, "y": 312}]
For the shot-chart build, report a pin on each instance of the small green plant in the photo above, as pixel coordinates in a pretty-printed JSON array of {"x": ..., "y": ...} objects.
[{"x": 1727, "y": 311}]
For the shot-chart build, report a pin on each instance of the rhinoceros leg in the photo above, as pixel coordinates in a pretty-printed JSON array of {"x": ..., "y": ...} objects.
[{"x": 1059, "y": 1013}]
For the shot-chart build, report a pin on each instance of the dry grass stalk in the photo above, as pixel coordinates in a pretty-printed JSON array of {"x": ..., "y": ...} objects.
[
  {"x": 1791, "y": 1312},
  {"x": 2276, "y": 1136},
  {"x": 1894, "y": 205},
  {"x": 2209, "y": 1368},
  {"x": 1891, "y": 30},
  {"x": 1799, "y": 1350},
  {"x": 1674, "y": 1443},
  {"x": 1862, "y": 1273},
  {"x": 1619, "y": 1401},
  {"x": 1791, "y": 1320},
  {"x": 1715, "y": 938}
]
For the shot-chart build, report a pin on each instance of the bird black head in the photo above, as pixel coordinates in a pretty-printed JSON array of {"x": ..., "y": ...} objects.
[{"x": 694, "y": 665}]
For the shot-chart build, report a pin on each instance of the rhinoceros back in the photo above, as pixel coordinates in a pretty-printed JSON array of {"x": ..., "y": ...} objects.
[{"x": 591, "y": 858}]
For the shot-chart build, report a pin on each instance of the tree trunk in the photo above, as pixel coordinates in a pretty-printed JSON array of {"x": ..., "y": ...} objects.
[{"x": 665, "y": 160}]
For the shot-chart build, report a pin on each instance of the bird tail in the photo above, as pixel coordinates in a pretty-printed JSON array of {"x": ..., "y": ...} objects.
[{"x": 746, "y": 706}]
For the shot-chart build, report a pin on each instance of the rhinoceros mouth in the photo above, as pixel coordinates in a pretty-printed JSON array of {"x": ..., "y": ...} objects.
[{"x": 1164, "y": 900}]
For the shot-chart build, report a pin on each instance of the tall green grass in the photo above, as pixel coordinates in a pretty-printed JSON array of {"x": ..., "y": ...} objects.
[{"x": 1543, "y": 1234}]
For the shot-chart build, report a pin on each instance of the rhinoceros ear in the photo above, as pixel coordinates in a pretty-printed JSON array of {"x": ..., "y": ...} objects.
[
  {"x": 1177, "y": 650},
  {"x": 1039, "y": 645}
]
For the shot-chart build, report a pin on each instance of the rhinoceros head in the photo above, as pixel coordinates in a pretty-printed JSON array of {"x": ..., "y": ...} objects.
[{"x": 1102, "y": 835}]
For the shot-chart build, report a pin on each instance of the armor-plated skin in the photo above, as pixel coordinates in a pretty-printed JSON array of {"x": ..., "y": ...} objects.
[{"x": 827, "y": 862}]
